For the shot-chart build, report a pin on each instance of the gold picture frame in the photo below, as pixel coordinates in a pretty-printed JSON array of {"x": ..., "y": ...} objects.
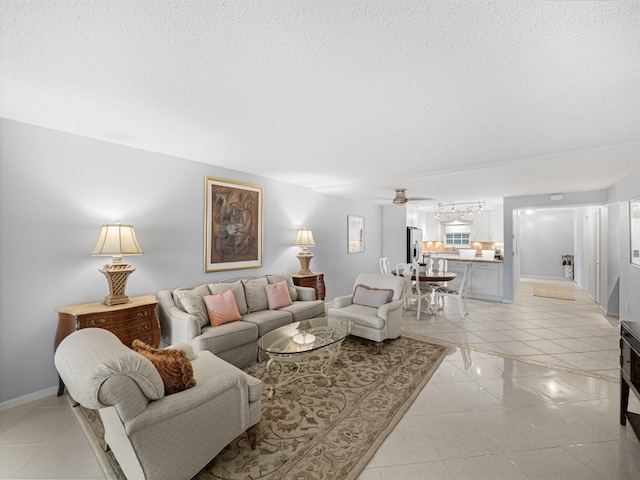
[
  {"x": 233, "y": 220},
  {"x": 355, "y": 234}
]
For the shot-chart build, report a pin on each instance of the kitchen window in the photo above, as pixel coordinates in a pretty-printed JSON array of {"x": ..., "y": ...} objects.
[
  {"x": 457, "y": 234},
  {"x": 457, "y": 240}
]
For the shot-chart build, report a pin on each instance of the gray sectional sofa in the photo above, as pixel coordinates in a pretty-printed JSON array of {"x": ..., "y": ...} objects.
[{"x": 184, "y": 317}]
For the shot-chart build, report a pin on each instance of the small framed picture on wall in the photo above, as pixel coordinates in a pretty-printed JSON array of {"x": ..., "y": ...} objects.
[
  {"x": 355, "y": 234},
  {"x": 634, "y": 229}
]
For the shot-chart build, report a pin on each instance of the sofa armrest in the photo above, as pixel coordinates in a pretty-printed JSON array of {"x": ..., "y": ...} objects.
[
  {"x": 306, "y": 294},
  {"x": 342, "y": 301},
  {"x": 392, "y": 314},
  {"x": 186, "y": 348},
  {"x": 387, "y": 308},
  {"x": 177, "y": 326}
]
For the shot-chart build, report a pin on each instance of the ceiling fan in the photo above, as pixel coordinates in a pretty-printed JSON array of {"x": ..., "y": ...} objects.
[{"x": 401, "y": 197}]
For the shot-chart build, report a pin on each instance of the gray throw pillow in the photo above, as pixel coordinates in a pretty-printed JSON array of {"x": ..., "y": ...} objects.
[
  {"x": 284, "y": 277},
  {"x": 255, "y": 294},
  {"x": 238, "y": 293},
  {"x": 371, "y": 297},
  {"x": 192, "y": 302}
]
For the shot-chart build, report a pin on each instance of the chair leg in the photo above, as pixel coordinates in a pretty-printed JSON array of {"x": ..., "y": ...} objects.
[
  {"x": 252, "y": 433},
  {"x": 379, "y": 346},
  {"x": 460, "y": 306},
  {"x": 419, "y": 308}
]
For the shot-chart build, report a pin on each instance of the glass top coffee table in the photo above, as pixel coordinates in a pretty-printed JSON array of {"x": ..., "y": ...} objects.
[{"x": 298, "y": 342}]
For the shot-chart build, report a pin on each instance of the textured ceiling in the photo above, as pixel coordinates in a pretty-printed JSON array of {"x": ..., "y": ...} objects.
[{"x": 455, "y": 101}]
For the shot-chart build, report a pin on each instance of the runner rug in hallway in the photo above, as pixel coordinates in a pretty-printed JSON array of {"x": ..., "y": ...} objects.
[
  {"x": 315, "y": 432},
  {"x": 552, "y": 291}
]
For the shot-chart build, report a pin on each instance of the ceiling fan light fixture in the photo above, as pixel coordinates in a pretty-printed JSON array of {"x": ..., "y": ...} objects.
[{"x": 401, "y": 196}]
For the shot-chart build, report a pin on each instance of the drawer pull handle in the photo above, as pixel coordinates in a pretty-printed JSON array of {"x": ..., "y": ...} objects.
[
  {"x": 98, "y": 322},
  {"x": 143, "y": 328},
  {"x": 142, "y": 314}
]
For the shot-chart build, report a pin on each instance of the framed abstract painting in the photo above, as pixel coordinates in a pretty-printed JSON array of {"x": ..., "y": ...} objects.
[{"x": 233, "y": 225}]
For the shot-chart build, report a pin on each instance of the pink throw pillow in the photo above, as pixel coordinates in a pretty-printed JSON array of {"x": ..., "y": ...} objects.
[
  {"x": 278, "y": 295},
  {"x": 222, "y": 308}
]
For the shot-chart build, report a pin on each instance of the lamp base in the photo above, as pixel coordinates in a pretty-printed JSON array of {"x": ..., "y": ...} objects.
[
  {"x": 305, "y": 260},
  {"x": 117, "y": 275}
]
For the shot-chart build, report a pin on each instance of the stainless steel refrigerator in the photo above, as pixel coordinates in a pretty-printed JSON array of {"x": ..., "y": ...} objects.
[{"x": 414, "y": 244}]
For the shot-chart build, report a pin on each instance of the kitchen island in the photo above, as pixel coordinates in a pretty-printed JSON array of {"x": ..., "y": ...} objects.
[{"x": 485, "y": 282}]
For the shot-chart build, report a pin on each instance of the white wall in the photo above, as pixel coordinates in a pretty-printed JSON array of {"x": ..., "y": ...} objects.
[
  {"x": 620, "y": 280},
  {"x": 545, "y": 236},
  {"x": 57, "y": 189},
  {"x": 511, "y": 207},
  {"x": 618, "y": 197},
  {"x": 394, "y": 237}
]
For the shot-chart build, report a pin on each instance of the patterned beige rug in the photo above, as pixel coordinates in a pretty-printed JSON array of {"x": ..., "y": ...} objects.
[
  {"x": 315, "y": 432},
  {"x": 552, "y": 291}
]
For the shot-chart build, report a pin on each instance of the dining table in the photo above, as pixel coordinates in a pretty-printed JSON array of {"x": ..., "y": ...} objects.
[{"x": 433, "y": 277}]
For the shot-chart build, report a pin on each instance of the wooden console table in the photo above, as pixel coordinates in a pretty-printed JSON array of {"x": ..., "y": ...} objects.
[
  {"x": 314, "y": 280},
  {"x": 629, "y": 372},
  {"x": 128, "y": 321}
]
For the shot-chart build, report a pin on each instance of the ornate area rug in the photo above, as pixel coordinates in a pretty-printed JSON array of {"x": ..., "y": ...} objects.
[
  {"x": 313, "y": 432},
  {"x": 552, "y": 291}
]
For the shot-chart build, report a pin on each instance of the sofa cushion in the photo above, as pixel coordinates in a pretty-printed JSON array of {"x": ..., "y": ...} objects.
[
  {"x": 278, "y": 295},
  {"x": 371, "y": 297},
  {"x": 192, "y": 302},
  {"x": 285, "y": 277},
  {"x": 225, "y": 337},
  {"x": 222, "y": 308},
  {"x": 255, "y": 294},
  {"x": 268, "y": 320},
  {"x": 359, "y": 315},
  {"x": 172, "y": 364},
  {"x": 238, "y": 293},
  {"x": 305, "y": 310}
]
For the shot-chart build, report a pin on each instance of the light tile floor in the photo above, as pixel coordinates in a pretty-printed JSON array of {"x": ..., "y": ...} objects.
[
  {"x": 544, "y": 405},
  {"x": 43, "y": 439},
  {"x": 529, "y": 391}
]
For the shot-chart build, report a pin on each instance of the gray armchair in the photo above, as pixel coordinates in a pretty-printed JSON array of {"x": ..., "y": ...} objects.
[
  {"x": 154, "y": 436},
  {"x": 372, "y": 318}
]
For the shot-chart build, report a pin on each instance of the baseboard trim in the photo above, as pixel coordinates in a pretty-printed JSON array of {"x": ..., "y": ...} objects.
[{"x": 16, "y": 402}]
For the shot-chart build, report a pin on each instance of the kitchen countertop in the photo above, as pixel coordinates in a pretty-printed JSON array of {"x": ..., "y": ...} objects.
[{"x": 453, "y": 256}]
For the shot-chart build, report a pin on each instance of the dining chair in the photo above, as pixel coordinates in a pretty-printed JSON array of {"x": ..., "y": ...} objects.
[
  {"x": 384, "y": 266},
  {"x": 413, "y": 290},
  {"x": 460, "y": 293},
  {"x": 437, "y": 265}
]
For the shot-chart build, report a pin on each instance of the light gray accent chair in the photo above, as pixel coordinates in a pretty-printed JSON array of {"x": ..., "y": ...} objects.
[
  {"x": 153, "y": 436},
  {"x": 377, "y": 324}
]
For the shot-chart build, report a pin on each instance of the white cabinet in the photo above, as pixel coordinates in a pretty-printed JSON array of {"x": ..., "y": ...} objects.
[
  {"x": 412, "y": 216},
  {"x": 433, "y": 228},
  {"x": 482, "y": 228},
  {"x": 486, "y": 281},
  {"x": 498, "y": 225},
  {"x": 456, "y": 267}
]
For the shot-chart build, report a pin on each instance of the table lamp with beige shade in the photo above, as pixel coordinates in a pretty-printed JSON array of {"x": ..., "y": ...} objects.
[
  {"x": 117, "y": 240},
  {"x": 304, "y": 239}
]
